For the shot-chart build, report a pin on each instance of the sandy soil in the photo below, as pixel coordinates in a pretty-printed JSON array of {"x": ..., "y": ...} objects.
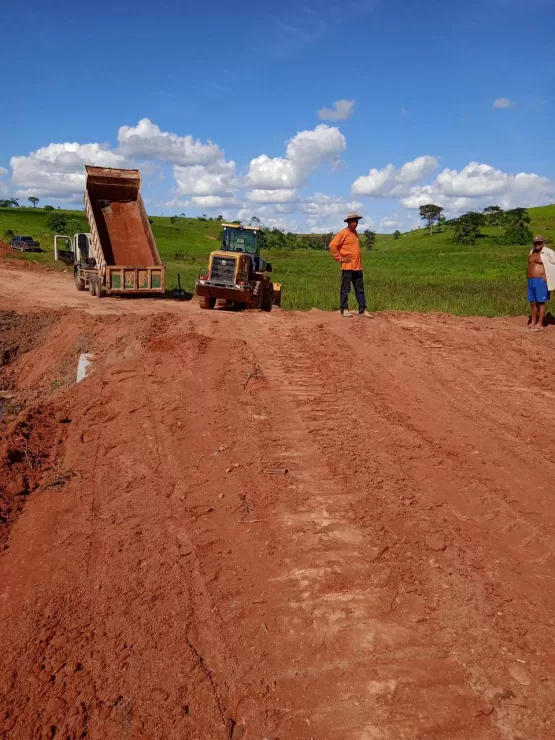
[{"x": 156, "y": 582}]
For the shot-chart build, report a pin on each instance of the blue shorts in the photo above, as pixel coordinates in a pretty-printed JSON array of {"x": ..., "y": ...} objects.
[{"x": 537, "y": 290}]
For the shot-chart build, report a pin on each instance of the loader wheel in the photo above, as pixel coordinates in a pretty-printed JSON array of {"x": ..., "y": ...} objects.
[
  {"x": 206, "y": 302},
  {"x": 79, "y": 282},
  {"x": 267, "y": 299}
]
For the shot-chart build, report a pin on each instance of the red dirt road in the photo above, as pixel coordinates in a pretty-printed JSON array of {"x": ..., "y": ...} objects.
[{"x": 397, "y": 582}]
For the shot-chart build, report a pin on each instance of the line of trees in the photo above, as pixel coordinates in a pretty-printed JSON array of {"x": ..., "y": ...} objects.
[
  {"x": 513, "y": 225},
  {"x": 14, "y": 203}
]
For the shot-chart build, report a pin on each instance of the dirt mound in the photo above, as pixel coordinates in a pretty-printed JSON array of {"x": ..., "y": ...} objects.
[
  {"x": 30, "y": 452},
  {"x": 19, "y": 333}
]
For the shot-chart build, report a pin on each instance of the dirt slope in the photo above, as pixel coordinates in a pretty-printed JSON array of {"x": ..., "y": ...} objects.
[{"x": 397, "y": 582}]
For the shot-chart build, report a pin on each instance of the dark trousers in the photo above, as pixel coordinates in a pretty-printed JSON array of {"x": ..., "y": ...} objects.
[{"x": 355, "y": 277}]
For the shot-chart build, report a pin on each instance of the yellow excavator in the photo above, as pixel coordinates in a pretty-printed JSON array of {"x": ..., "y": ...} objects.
[{"x": 237, "y": 276}]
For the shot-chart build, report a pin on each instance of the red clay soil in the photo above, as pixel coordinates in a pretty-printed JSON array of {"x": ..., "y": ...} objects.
[
  {"x": 396, "y": 582},
  {"x": 127, "y": 234}
]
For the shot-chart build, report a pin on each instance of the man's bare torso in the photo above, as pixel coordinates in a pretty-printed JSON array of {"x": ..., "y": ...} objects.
[{"x": 535, "y": 265}]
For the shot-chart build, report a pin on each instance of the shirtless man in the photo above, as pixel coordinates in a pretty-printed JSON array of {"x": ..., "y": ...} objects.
[{"x": 541, "y": 277}]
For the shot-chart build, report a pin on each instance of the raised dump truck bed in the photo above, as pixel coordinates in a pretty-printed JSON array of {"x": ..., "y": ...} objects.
[{"x": 123, "y": 251}]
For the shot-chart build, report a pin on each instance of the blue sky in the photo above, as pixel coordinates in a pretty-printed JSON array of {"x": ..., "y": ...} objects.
[{"x": 244, "y": 80}]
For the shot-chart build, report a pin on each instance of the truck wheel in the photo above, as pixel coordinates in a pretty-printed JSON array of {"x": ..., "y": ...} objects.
[
  {"x": 92, "y": 290},
  {"x": 267, "y": 299},
  {"x": 79, "y": 282},
  {"x": 206, "y": 302}
]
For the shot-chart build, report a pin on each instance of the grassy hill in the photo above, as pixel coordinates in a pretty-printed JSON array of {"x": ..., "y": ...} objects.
[{"x": 415, "y": 273}]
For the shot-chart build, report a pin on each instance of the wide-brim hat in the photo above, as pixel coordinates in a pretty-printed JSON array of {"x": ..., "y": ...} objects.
[
  {"x": 539, "y": 238},
  {"x": 353, "y": 217}
]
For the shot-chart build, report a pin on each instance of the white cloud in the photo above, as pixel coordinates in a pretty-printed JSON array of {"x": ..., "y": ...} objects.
[
  {"x": 147, "y": 141},
  {"x": 271, "y": 216},
  {"x": 304, "y": 153},
  {"x": 3, "y": 171},
  {"x": 501, "y": 103},
  {"x": 392, "y": 181},
  {"x": 326, "y": 212},
  {"x": 57, "y": 170},
  {"x": 212, "y": 179},
  {"x": 212, "y": 201},
  {"x": 341, "y": 110},
  {"x": 272, "y": 196},
  {"x": 402, "y": 221},
  {"x": 478, "y": 185}
]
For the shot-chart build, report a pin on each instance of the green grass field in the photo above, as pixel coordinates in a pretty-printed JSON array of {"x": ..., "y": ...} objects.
[{"x": 414, "y": 273}]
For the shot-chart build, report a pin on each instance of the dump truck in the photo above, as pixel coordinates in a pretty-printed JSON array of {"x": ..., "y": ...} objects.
[
  {"x": 119, "y": 255},
  {"x": 237, "y": 275}
]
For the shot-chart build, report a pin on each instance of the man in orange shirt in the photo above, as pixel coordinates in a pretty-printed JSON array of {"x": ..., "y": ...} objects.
[{"x": 345, "y": 248}]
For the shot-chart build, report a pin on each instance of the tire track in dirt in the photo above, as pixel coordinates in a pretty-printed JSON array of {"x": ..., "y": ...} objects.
[
  {"x": 392, "y": 429},
  {"x": 367, "y": 608}
]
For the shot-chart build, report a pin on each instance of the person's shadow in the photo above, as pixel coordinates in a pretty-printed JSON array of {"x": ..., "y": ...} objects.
[{"x": 549, "y": 319}]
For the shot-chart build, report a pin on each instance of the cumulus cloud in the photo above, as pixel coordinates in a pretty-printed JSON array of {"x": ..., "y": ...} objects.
[
  {"x": 213, "y": 201},
  {"x": 147, "y": 141},
  {"x": 501, "y": 103},
  {"x": 341, "y": 110},
  {"x": 201, "y": 180},
  {"x": 57, "y": 170},
  {"x": 3, "y": 171},
  {"x": 272, "y": 196},
  {"x": 326, "y": 212},
  {"x": 392, "y": 181},
  {"x": 305, "y": 152},
  {"x": 478, "y": 185}
]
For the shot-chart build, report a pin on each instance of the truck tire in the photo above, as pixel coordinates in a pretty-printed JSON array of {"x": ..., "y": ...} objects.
[
  {"x": 79, "y": 282},
  {"x": 206, "y": 303},
  {"x": 267, "y": 298}
]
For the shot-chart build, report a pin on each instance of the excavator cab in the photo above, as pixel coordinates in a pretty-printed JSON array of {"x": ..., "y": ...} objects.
[{"x": 237, "y": 274}]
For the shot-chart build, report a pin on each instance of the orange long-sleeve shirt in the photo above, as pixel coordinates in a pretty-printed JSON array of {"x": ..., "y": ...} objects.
[{"x": 346, "y": 246}]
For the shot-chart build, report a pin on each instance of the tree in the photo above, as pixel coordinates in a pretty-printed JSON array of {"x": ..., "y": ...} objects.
[
  {"x": 33, "y": 200},
  {"x": 57, "y": 223},
  {"x": 9, "y": 203},
  {"x": 48, "y": 208},
  {"x": 430, "y": 213},
  {"x": 467, "y": 227},
  {"x": 495, "y": 216},
  {"x": 397, "y": 234},
  {"x": 220, "y": 218},
  {"x": 517, "y": 229},
  {"x": 441, "y": 224},
  {"x": 254, "y": 220},
  {"x": 370, "y": 239}
]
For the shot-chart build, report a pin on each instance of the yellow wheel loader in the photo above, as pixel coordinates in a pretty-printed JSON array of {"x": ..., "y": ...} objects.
[{"x": 237, "y": 275}]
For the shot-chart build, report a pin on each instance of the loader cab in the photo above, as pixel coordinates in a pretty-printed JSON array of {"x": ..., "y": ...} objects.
[{"x": 247, "y": 240}]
